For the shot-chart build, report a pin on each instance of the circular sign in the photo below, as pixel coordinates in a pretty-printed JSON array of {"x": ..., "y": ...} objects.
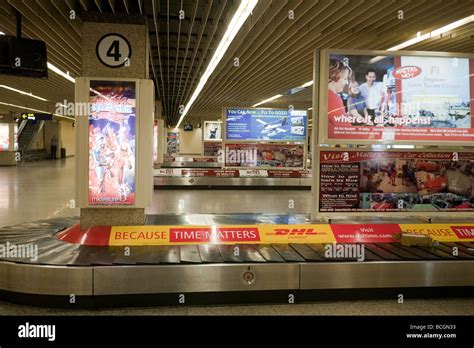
[{"x": 113, "y": 50}]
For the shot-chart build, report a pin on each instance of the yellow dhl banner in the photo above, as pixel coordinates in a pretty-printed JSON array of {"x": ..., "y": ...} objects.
[
  {"x": 284, "y": 234},
  {"x": 246, "y": 234}
]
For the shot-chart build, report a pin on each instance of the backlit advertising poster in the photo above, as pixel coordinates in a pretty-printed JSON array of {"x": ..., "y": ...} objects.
[
  {"x": 112, "y": 134},
  {"x": 172, "y": 143},
  {"x": 266, "y": 124},
  {"x": 399, "y": 98},
  {"x": 15, "y": 135},
  {"x": 212, "y": 130},
  {"x": 212, "y": 148},
  {"x": 4, "y": 136},
  {"x": 264, "y": 155},
  {"x": 155, "y": 141},
  {"x": 386, "y": 181}
]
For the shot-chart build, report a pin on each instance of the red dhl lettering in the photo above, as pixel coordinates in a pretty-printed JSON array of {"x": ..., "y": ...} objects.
[{"x": 294, "y": 231}]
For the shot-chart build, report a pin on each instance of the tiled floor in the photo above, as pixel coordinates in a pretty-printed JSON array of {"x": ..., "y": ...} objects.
[
  {"x": 42, "y": 190},
  {"x": 379, "y": 307}
]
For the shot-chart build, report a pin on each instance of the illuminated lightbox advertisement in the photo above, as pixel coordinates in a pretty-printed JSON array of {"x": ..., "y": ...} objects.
[
  {"x": 391, "y": 181},
  {"x": 266, "y": 124},
  {"x": 112, "y": 132},
  {"x": 212, "y": 130},
  {"x": 4, "y": 136},
  {"x": 155, "y": 141},
  {"x": 15, "y": 135},
  {"x": 399, "y": 98},
  {"x": 264, "y": 155},
  {"x": 172, "y": 144}
]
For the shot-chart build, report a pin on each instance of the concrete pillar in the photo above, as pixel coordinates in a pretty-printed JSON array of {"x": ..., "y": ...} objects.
[{"x": 115, "y": 59}]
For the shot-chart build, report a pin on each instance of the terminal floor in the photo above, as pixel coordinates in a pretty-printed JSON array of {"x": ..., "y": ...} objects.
[
  {"x": 372, "y": 308},
  {"x": 44, "y": 190}
]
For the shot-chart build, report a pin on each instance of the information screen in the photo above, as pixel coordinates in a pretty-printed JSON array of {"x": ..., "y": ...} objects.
[
  {"x": 266, "y": 124},
  {"x": 112, "y": 134},
  {"x": 368, "y": 181},
  {"x": 399, "y": 98}
]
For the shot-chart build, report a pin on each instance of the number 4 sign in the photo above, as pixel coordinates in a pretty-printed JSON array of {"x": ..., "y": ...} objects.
[{"x": 114, "y": 50}]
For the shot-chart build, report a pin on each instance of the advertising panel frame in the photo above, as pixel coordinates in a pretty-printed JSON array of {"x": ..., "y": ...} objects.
[
  {"x": 204, "y": 131},
  {"x": 320, "y": 97},
  {"x": 225, "y": 141},
  {"x": 316, "y": 215},
  {"x": 144, "y": 94}
]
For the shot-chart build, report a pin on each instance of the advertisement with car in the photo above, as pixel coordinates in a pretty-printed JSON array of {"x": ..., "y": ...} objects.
[{"x": 390, "y": 181}]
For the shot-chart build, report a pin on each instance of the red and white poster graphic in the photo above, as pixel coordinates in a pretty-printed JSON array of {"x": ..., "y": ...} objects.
[
  {"x": 400, "y": 98},
  {"x": 112, "y": 135},
  {"x": 368, "y": 181},
  {"x": 264, "y": 155}
]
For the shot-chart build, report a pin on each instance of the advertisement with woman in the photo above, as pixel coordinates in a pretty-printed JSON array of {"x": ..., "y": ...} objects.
[
  {"x": 400, "y": 98},
  {"x": 112, "y": 134}
]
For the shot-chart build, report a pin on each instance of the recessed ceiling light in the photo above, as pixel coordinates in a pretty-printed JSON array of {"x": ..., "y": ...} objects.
[{"x": 240, "y": 16}]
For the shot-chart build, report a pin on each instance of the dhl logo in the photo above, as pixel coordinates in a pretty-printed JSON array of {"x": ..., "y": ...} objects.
[{"x": 293, "y": 232}]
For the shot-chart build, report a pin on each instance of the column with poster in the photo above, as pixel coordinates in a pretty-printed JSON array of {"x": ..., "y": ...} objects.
[
  {"x": 114, "y": 109},
  {"x": 8, "y": 141}
]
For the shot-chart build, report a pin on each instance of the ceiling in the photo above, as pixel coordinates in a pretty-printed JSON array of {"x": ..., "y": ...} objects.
[{"x": 275, "y": 52}]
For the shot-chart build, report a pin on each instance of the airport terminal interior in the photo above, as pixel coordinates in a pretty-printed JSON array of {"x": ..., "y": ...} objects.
[{"x": 236, "y": 157}]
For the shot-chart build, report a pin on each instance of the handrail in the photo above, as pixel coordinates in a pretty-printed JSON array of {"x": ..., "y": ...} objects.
[
  {"x": 35, "y": 136},
  {"x": 21, "y": 127}
]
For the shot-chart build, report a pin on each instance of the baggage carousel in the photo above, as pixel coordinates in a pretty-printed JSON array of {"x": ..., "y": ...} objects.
[{"x": 96, "y": 272}]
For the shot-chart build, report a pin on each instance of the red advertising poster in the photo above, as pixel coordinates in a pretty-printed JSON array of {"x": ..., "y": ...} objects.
[
  {"x": 264, "y": 155},
  {"x": 112, "y": 143},
  {"x": 367, "y": 181},
  {"x": 400, "y": 98},
  {"x": 212, "y": 148}
]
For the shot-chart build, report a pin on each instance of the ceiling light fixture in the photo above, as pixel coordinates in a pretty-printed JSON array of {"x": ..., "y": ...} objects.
[
  {"x": 31, "y": 109},
  {"x": 268, "y": 100},
  {"x": 307, "y": 84},
  {"x": 2, "y": 33},
  {"x": 22, "y": 92},
  {"x": 432, "y": 34},
  {"x": 243, "y": 12},
  {"x": 61, "y": 73}
]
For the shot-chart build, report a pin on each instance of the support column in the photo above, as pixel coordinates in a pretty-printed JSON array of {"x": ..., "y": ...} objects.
[{"x": 114, "y": 138}]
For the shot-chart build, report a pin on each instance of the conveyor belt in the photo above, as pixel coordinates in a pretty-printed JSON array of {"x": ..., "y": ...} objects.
[
  {"x": 54, "y": 251},
  {"x": 64, "y": 268}
]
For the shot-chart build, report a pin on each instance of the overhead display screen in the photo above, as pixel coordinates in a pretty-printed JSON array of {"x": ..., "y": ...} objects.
[
  {"x": 265, "y": 124},
  {"x": 391, "y": 181},
  {"x": 398, "y": 98},
  {"x": 112, "y": 134}
]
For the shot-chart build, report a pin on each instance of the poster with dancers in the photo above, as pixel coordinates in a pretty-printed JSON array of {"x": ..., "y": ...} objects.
[{"x": 112, "y": 151}]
